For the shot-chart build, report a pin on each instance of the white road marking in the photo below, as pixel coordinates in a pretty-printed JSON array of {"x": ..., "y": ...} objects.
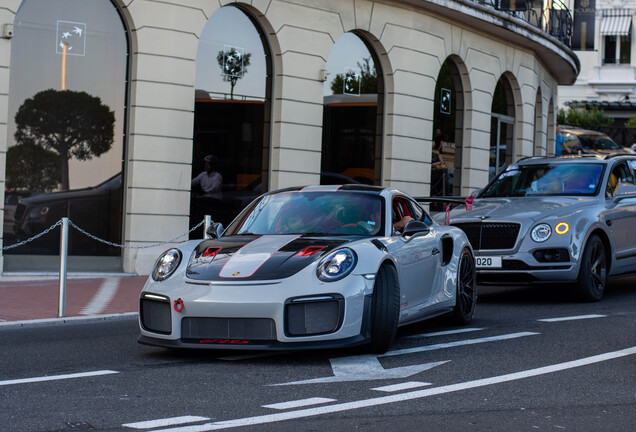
[
  {"x": 455, "y": 344},
  {"x": 404, "y": 386},
  {"x": 367, "y": 367},
  {"x": 418, "y": 394},
  {"x": 442, "y": 333},
  {"x": 165, "y": 422},
  {"x": 57, "y": 377},
  {"x": 571, "y": 318},
  {"x": 364, "y": 368},
  {"x": 103, "y": 297},
  {"x": 299, "y": 403}
]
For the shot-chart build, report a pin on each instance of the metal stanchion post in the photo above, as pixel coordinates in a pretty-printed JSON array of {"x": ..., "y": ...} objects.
[
  {"x": 207, "y": 222},
  {"x": 63, "y": 257}
]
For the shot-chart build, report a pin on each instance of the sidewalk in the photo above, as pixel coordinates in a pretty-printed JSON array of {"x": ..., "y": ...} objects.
[{"x": 26, "y": 298}]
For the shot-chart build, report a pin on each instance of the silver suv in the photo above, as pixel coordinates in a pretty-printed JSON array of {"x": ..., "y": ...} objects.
[{"x": 559, "y": 219}]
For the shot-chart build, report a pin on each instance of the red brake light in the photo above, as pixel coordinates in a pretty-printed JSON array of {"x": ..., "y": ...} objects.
[{"x": 309, "y": 251}]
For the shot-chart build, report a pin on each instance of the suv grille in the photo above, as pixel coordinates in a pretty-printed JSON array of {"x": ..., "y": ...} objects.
[{"x": 490, "y": 235}]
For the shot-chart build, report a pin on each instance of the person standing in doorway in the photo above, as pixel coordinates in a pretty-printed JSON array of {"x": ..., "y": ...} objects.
[
  {"x": 210, "y": 180},
  {"x": 439, "y": 141}
]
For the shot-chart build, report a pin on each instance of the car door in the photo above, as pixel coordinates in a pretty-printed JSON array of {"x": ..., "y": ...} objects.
[
  {"x": 620, "y": 214},
  {"x": 417, "y": 258}
]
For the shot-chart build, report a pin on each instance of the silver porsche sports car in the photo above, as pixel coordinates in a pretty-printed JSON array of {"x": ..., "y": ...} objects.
[
  {"x": 310, "y": 267},
  {"x": 565, "y": 219}
]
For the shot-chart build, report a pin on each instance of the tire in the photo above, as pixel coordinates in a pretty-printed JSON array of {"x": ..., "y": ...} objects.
[
  {"x": 590, "y": 285},
  {"x": 385, "y": 309},
  {"x": 466, "y": 299}
]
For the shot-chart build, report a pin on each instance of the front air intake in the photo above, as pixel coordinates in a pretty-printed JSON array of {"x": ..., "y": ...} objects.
[
  {"x": 313, "y": 315},
  {"x": 155, "y": 315}
]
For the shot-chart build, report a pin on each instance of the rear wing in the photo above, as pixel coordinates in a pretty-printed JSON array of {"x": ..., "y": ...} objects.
[{"x": 449, "y": 202}]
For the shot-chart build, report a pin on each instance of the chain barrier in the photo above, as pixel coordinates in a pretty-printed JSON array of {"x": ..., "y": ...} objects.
[
  {"x": 86, "y": 233},
  {"x": 35, "y": 237}
]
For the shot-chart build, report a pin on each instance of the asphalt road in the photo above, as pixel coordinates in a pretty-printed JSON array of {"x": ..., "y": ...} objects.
[{"x": 531, "y": 360}]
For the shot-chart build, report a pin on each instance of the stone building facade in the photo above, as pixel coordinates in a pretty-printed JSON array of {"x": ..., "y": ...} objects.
[{"x": 503, "y": 75}]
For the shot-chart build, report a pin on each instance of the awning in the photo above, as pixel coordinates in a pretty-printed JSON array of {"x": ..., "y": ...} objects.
[{"x": 615, "y": 24}]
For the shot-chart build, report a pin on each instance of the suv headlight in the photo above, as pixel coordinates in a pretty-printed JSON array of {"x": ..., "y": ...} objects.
[
  {"x": 336, "y": 265},
  {"x": 166, "y": 264},
  {"x": 541, "y": 233}
]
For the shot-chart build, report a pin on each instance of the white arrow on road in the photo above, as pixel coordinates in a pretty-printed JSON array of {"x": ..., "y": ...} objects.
[{"x": 364, "y": 368}]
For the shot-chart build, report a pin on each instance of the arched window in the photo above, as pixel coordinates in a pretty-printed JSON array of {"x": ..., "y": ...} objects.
[
  {"x": 501, "y": 127},
  {"x": 448, "y": 121},
  {"x": 352, "y": 115},
  {"x": 67, "y": 114},
  {"x": 231, "y": 118}
]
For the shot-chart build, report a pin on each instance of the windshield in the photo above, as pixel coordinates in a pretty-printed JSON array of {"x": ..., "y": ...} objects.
[
  {"x": 596, "y": 142},
  {"x": 315, "y": 213},
  {"x": 546, "y": 180}
]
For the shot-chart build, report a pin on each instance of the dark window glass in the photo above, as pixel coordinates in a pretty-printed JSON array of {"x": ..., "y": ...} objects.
[
  {"x": 609, "y": 53},
  {"x": 58, "y": 77},
  {"x": 230, "y": 118},
  {"x": 626, "y": 49},
  {"x": 351, "y": 142}
]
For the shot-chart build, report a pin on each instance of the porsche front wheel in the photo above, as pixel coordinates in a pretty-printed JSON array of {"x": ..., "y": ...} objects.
[
  {"x": 466, "y": 289},
  {"x": 385, "y": 309}
]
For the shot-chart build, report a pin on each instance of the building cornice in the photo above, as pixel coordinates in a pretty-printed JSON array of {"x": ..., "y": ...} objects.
[{"x": 556, "y": 56}]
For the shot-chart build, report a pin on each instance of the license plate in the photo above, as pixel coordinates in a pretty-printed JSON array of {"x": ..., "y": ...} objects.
[{"x": 488, "y": 262}]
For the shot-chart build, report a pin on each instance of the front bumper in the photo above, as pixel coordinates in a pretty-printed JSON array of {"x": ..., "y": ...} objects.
[
  {"x": 523, "y": 267},
  {"x": 277, "y": 315}
]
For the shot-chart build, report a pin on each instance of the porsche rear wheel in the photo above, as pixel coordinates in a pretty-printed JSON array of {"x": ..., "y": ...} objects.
[
  {"x": 466, "y": 289},
  {"x": 590, "y": 285},
  {"x": 385, "y": 309}
]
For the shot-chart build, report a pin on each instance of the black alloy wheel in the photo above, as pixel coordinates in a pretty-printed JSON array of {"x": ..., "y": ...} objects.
[
  {"x": 466, "y": 289},
  {"x": 590, "y": 285},
  {"x": 385, "y": 309}
]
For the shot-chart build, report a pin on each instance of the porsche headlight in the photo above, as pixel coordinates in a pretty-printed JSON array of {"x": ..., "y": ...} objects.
[
  {"x": 336, "y": 265},
  {"x": 541, "y": 233},
  {"x": 166, "y": 264}
]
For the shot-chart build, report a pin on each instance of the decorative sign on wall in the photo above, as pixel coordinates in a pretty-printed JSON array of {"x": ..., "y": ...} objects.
[
  {"x": 445, "y": 101},
  {"x": 72, "y": 36}
]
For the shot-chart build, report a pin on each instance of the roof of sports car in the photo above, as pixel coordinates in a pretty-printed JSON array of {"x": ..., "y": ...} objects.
[
  {"x": 586, "y": 158},
  {"x": 332, "y": 188}
]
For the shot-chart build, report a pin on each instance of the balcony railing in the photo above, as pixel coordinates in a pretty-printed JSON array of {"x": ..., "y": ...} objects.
[{"x": 551, "y": 16}]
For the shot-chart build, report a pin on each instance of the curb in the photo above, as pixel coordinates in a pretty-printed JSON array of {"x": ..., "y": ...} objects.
[{"x": 68, "y": 320}]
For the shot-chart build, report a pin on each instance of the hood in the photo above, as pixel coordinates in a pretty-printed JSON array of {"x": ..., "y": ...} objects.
[
  {"x": 267, "y": 257},
  {"x": 518, "y": 209},
  {"x": 106, "y": 187}
]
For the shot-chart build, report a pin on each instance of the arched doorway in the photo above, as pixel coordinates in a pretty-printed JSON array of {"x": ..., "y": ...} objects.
[
  {"x": 502, "y": 127},
  {"x": 352, "y": 114},
  {"x": 448, "y": 122},
  {"x": 231, "y": 119},
  {"x": 66, "y": 133}
]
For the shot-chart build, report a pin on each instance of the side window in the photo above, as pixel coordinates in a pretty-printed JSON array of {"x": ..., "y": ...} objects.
[
  {"x": 632, "y": 169},
  {"x": 419, "y": 214},
  {"x": 570, "y": 140},
  {"x": 400, "y": 210},
  {"x": 620, "y": 175}
]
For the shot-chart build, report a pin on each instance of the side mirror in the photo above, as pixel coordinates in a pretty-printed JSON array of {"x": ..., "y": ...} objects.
[
  {"x": 215, "y": 230},
  {"x": 415, "y": 227}
]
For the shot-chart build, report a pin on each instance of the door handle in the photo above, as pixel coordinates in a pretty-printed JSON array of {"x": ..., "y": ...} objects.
[{"x": 435, "y": 251}]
